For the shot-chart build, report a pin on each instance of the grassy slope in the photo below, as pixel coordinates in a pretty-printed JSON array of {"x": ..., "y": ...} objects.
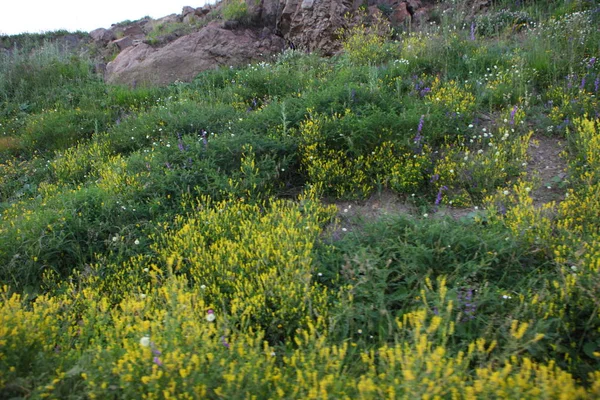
[{"x": 131, "y": 217}]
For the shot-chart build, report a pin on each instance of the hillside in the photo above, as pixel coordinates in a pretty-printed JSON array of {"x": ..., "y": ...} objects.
[{"x": 412, "y": 216}]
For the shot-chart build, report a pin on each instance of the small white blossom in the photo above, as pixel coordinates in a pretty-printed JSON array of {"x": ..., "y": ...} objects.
[
  {"x": 210, "y": 316},
  {"x": 145, "y": 341}
]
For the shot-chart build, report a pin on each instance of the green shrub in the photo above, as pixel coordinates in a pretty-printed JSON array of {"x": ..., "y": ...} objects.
[
  {"x": 235, "y": 10},
  {"x": 55, "y": 130}
]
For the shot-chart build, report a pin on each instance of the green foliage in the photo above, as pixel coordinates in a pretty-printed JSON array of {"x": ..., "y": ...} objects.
[
  {"x": 499, "y": 22},
  {"x": 176, "y": 242},
  {"x": 58, "y": 129},
  {"x": 235, "y": 10}
]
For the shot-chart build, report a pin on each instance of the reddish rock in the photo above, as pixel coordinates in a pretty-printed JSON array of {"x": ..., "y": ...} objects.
[
  {"x": 134, "y": 32},
  {"x": 123, "y": 43},
  {"x": 187, "y": 10},
  {"x": 190, "y": 19},
  {"x": 189, "y": 55},
  {"x": 400, "y": 14},
  {"x": 102, "y": 35}
]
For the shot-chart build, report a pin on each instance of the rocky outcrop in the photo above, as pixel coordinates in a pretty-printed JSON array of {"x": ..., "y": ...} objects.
[
  {"x": 187, "y": 56},
  {"x": 186, "y": 48},
  {"x": 102, "y": 35}
]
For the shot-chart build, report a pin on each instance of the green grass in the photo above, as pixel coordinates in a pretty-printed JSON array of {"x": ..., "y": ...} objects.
[{"x": 127, "y": 213}]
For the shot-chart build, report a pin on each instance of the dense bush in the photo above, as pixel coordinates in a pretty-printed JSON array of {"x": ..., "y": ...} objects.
[{"x": 224, "y": 238}]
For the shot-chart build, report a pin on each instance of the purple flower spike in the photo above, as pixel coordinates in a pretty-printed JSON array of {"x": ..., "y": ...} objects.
[
  {"x": 157, "y": 361},
  {"x": 419, "y": 129},
  {"x": 473, "y": 30},
  {"x": 512, "y": 115},
  {"x": 438, "y": 199},
  {"x": 591, "y": 62}
]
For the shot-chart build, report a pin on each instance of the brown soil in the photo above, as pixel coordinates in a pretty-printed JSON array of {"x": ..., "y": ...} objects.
[{"x": 547, "y": 167}]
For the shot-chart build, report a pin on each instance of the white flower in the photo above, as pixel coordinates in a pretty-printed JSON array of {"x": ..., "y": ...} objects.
[
  {"x": 210, "y": 316},
  {"x": 202, "y": 287},
  {"x": 528, "y": 189},
  {"x": 142, "y": 296},
  {"x": 506, "y": 192},
  {"x": 136, "y": 241},
  {"x": 146, "y": 270},
  {"x": 506, "y": 297},
  {"x": 145, "y": 341},
  {"x": 573, "y": 268},
  {"x": 344, "y": 229},
  {"x": 425, "y": 215}
]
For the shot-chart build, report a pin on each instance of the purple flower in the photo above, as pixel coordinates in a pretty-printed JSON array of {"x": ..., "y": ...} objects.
[
  {"x": 180, "y": 143},
  {"x": 512, "y": 115},
  {"x": 466, "y": 304},
  {"x": 419, "y": 129},
  {"x": 473, "y": 30},
  {"x": 434, "y": 178},
  {"x": 596, "y": 83},
  {"x": 438, "y": 199},
  {"x": 157, "y": 361},
  {"x": 582, "y": 85},
  {"x": 591, "y": 62},
  {"x": 224, "y": 341}
]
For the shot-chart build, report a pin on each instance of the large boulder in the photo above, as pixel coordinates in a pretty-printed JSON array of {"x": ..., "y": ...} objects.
[
  {"x": 102, "y": 35},
  {"x": 314, "y": 24},
  {"x": 189, "y": 55}
]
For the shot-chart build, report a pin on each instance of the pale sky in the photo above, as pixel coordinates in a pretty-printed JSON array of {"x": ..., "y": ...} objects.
[{"x": 36, "y": 16}]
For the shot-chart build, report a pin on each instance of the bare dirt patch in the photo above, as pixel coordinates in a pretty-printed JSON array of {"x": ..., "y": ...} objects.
[{"x": 548, "y": 167}]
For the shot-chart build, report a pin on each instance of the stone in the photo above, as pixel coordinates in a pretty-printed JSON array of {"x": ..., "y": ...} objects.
[
  {"x": 187, "y": 10},
  {"x": 231, "y": 25},
  {"x": 184, "y": 58},
  {"x": 123, "y": 43},
  {"x": 202, "y": 11},
  {"x": 307, "y": 4},
  {"x": 190, "y": 19},
  {"x": 134, "y": 32},
  {"x": 102, "y": 35},
  {"x": 400, "y": 14}
]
